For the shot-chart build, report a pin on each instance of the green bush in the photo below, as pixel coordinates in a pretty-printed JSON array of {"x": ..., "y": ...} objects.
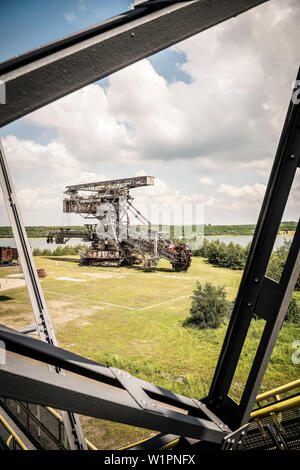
[
  {"x": 277, "y": 262},
  {"x": 293, "y": 312},
  {"x": 232, "y": 256},
  {"x": 209, "y": 307}
]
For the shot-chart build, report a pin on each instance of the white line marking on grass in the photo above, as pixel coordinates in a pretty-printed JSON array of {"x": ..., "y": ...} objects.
[
  {"x": 89, "y": 300},
  {"x": 116, "y": 305},
  {"x": 73, "y": 279},
  {"x": 165, "y": 302}
]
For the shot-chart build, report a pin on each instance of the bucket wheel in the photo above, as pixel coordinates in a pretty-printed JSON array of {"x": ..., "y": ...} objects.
[{"x": 182, "y": 256}]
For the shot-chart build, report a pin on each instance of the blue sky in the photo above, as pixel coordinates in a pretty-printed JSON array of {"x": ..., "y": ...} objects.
[
  {"x": 203, "y": 117},
  {"x": 27, "y": 24}
]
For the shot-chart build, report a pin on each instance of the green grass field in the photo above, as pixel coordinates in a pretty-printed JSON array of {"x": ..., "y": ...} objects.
[{"x": 132, "y": 320}]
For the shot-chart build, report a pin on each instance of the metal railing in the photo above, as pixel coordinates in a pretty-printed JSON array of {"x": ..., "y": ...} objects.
[
  {"x": 43, "y": 426},
  {"x": 9, "y": 438},
  {"x": 275, "y": 393},
  {"x": 59, "y": 419},
  {"x": 275, "y": 423}
]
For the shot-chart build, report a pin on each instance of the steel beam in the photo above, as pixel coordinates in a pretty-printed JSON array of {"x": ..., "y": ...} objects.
[
  {"x": 142, "y": 392},
  {"x": 258, "y": 294},
  {"x": 95, "y": 390},
  {"x": 47, "y": 73},
  {"x": 39, "y": 307},
  {"x": 40, "y": 351},
  {"x": 285, "y": 289}
]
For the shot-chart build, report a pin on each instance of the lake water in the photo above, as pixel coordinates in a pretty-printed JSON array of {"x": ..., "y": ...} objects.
[
  {"x": 244, "y": 239},
  {"x": 42, "y": 242}
]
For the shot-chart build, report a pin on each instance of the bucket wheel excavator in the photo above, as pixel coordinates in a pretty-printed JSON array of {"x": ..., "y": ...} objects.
[{"x": 114, "y": 241}]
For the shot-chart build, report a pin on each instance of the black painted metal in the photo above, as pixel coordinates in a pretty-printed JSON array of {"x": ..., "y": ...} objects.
[
  {"x": 38, "y": 303},
  {"x": 254, "y": 286},
  {"x": 31, "y": 381},
  {"x": 271, "y": 330}
]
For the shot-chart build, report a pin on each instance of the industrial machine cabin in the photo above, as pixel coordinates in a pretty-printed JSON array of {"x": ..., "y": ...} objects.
[{"x": 55, "y": 70}]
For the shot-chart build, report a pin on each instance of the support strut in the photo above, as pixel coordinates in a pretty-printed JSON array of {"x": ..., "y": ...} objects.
[{"x": 42, "y": 318}]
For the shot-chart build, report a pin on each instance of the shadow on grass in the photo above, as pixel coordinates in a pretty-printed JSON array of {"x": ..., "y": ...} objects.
[
  {"x": 132, "y": 266},
  {"x": 151, "y": 270},
  {"x": 216, "y": 266},
  {"x": 61, "y": 258},
  {"x": 3, "y": 298}
]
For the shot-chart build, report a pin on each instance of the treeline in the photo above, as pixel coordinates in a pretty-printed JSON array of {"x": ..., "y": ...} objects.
[
  {"x": 209, "y": 230},
  {"x": 60, "y": 251},
  {"x": 215, "y": 230},
  {"x": 234, "y": 256},
  {"x": 35, "y": 231},
  {"x": 218, "y": 253}
]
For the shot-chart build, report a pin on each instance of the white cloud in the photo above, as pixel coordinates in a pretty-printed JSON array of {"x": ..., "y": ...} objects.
[
  {"x": 231, "y": 112},
  {"x": 206, "y": 181},
  {"x": 40, "y": 174},
  {"x": 227, "y": 120},
  {"x": 81, "y": 5},
  {"x": 253, "y": 193},
  {"x": 69, "y": 16},
  {"x": 34, "y": 159},
  {"x": 87, "y": 126},
  {"x": 160, "y": 193}
]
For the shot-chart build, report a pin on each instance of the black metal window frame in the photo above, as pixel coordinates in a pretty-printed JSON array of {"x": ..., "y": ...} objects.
[{"x": 149, "y": 28}]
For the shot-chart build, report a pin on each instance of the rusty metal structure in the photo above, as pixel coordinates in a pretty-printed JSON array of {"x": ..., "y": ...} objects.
[
  {"x": 41, "y": 272},
  {"x": 8, "y": 256},
  {"x": 114, "y": 241}
]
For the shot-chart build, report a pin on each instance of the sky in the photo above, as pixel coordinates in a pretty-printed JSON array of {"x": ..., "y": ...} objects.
[{"x": 203, "y": 117}]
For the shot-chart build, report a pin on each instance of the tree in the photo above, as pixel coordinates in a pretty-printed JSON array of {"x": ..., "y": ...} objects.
[
  {"x": 293, "y": 312},
  {"x": 277, "y": 262},
  {"x": 209, "y": 307}
]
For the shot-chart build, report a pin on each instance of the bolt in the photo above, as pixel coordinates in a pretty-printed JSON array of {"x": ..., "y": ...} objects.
[
  {"x": 249, "y": 304},
  {"x": 292, "y": 157},
  {"x": 256, "y": 279},
  {"x": 132, "y": 34}
]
